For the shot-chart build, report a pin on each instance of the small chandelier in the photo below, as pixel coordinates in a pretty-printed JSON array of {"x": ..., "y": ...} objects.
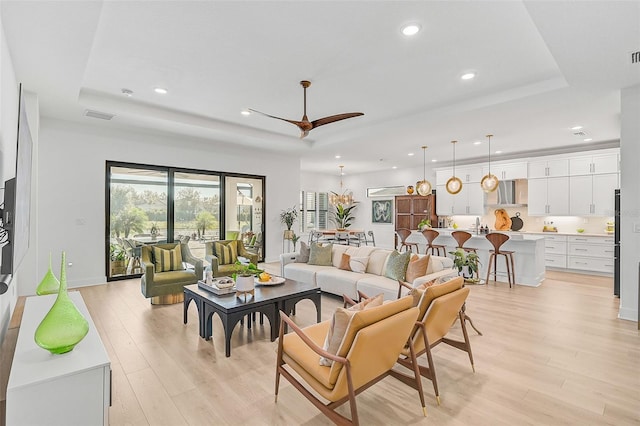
[
  {"x": 343, "y": 198},
  {"x": 454, "y": 184},
  {"x": 489, "y": 182},
  {"x": 424, "y": 186}
]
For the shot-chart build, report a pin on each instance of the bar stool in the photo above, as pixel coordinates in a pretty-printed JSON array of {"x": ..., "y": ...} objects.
[
  {"x": 431, "y": 235},
  {"x": 497, "y": 239},
  {"x": 404, "y": 233},
  {"x": 461, "y": 237}
]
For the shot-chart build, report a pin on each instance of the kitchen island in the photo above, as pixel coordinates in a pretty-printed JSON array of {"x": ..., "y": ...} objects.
[{"x": 528, "y": 252}]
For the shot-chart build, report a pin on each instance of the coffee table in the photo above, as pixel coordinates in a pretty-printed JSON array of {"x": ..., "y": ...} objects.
[{"x": 267, "y": 300}]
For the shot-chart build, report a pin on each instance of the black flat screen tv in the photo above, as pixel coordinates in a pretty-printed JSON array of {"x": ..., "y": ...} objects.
[{"x": 17, "y": 199}]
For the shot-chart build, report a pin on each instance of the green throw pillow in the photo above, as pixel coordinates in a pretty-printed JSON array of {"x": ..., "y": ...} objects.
[
  {"x": 320, "y": 255},
  {"x": 168, "y": 259},
  {"x": 397, "y": 265},
  {"x": 226, "y": 253}
]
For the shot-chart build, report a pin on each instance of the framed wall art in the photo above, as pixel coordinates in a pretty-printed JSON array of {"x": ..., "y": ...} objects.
[{"x": 381, "y": 211}]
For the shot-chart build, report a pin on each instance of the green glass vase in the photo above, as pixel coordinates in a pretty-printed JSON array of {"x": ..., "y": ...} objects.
[
  {"x": 49, "y": 284},
  {"x": 64, "y": 326}
]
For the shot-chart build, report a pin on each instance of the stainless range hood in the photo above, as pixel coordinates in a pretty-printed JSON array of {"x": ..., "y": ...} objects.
[{"x": 507, "y": 195}]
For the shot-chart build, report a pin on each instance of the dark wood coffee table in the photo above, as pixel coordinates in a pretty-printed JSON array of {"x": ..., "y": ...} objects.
[{"x": 267, "y": 300}]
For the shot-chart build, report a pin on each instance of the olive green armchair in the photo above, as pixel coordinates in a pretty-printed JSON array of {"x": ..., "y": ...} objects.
[
  {"x": 166, "y": 287},
  {"x": 221, "y": 266}
]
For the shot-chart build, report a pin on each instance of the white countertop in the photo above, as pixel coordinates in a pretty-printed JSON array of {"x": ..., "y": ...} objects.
[{"x": 586, "y": 234}]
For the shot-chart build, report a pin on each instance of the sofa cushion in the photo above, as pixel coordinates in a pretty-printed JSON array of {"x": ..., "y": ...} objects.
[
  {"x": 167, "y": 259},
  {"x": 227, "y": 253},
  {"x": 370, "y": 284},
  {"x": 336, "y": 281},
  {"x": 417, "y": 267},
  {"x": 336, "y": 255},
  {"x": 338, "y": 325},
  {"x": 377, "y": 261},
  {"x": 397, "y": 265},
  {"x": 358, "y": 264},
  {"x": 303, "y": 256},
  {"x": 303, "y": 272},
  {"x": 344, "y": 262},
  {"x": 320, "y": 255}
]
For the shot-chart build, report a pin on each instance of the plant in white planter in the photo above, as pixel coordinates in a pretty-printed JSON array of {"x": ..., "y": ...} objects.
[
  {"x": 245, "y": 275},
  {"x": 466, "y": 262}
]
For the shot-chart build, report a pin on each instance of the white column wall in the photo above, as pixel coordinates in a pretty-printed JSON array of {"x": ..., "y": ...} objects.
[
  {"x": 71, "y": 179},
  {"x": 629, "y": 202}
]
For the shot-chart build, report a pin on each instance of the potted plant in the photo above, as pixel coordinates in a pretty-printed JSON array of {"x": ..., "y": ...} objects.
[
  {"x": 294, "y": 239},
  {"x": 342, "y": 216},
  {"x": 424, "y": 224},
  {"x": 244, "y": 276},
  {"x": 117, "y": 257},
  {"x": 287, "y": 218},
  {"x": 466, "y": 262}
]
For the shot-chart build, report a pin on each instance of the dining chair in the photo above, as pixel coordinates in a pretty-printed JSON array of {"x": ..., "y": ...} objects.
[
  {"x": 341, "y": 237},
  {"x": 358, "y": 239},
  {"x": 371, "y": 239}
]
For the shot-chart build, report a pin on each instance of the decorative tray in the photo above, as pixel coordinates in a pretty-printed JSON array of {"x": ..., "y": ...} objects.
[
  {"x": 273, "y": 281},
  {"x": 215, "y": 290}
]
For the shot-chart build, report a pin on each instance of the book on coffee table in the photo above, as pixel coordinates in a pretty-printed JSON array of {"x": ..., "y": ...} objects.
[{"x": 215, "y": 290}]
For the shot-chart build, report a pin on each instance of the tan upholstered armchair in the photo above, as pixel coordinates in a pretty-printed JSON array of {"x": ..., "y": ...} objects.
[
  {"x": 224, "y": 265},
  {"x": 372, "y": 342},
  {"x": 166, "y": 287}
]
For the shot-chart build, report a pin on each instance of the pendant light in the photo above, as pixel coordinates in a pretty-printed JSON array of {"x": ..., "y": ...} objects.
[
  {"x": 454, "y": 184},
  {"x": 424, "y": 186},
  {"x": 489, "y": 182},
  {"x": 343, "y": 198}
]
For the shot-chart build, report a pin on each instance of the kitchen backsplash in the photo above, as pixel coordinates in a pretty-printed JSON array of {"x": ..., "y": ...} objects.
[{"x": 569, "y": 224}]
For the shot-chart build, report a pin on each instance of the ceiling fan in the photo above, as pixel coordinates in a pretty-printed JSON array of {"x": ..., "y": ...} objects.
[{"x": 305, "y": 125}]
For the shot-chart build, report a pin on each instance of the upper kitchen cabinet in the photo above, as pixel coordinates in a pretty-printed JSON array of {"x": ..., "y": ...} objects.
[
  {"x": 507, "y": 171},
  {"x": 469, "y": 201},
  {"x": 548, "y": 168},
  {"x": 594, "y": 165},
  {"x": 592, "y": 195},
  {"x": 465, "y": 174},
  {"x": 548, "y": 196}
]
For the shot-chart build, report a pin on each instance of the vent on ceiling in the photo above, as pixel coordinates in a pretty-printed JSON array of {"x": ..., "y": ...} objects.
[
  {"x": 635, "y": 57},
  {"x": 98, "y": 114},
  {"x": 579, "y": 134}
]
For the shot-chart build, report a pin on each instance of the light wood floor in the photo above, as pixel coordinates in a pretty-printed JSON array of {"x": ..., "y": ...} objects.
[{"x": 551, "y": 355}]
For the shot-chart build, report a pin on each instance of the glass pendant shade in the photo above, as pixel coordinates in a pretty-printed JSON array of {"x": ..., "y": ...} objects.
[
  {"x": 423, "y": 187},
  {"x": 489, "y": 182},
  {"x": 64, "y": 326},
  {"x": 49, "y": 284},
  {"x": 454, "y": 184}
]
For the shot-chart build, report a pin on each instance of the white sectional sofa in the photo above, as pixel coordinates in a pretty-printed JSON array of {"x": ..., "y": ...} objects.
[{"x": 330, "y": 279}]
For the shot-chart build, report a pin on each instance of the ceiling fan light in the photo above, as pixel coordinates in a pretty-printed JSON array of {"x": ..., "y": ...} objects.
[
  {"x": 423, "y": 187},
  {"x": 489, "y": 182},
  {"x": 454, "y": 185}
]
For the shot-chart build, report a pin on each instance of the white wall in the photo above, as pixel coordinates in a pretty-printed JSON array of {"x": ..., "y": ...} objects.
[
  {"x": 630, "y": 202},
  {"x": 8, "y": 133},
  {"x": 71, "y": 179}
]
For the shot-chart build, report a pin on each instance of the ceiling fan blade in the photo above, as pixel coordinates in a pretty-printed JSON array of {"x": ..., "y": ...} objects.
[
  {"x": 294, "y": 122},
  {"x": 333, "y": 118}
]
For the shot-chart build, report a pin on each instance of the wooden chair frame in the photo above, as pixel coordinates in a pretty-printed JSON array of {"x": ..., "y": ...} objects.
[{"x": 328, "y": 409}]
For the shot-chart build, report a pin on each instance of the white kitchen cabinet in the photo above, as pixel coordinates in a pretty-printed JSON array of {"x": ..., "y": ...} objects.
[
  {"x": 595, "y": 164},
  {"x": 465, "y": 174},
  {"x": 507, "y": 171},
  {"x": 592, "y": 195},
  {"x": 590, "y": 253},
  {"x": 66, "y": 389},
  {"x": 548, "y": 196},
  {"x": 469, "y": 201},
  {"x": 548, "y": 168}
]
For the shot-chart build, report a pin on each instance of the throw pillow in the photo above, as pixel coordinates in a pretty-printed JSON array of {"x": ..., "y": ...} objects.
[
  {"x": 339, "y": 324},
  {"x": 358, "y": 264},
  {"x": 320, "y": 255},
  {"x": 344, "y": 262},
  {"x": 418, "y": 291},
  {"x": 303, "y": 256},
  {"x": 226, "y": 253},
  {"x": 417, "y": 267},
  {"x": 168, "y": 259},
  {"x": 397, "y": 265}
]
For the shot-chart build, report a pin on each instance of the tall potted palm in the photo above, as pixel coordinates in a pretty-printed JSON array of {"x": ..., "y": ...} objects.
[{"x": 342, "y": 216}]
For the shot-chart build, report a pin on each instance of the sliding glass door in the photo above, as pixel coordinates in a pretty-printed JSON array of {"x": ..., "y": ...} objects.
[{"x": 153, "y": 204}]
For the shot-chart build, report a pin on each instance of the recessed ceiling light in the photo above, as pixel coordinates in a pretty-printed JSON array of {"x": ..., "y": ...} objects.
[
  {"x": 394, "y": 167},
  {"x": 338, "y": 156},
  {"x": 410, "y": 154},
  {"x": 434, "y": 160},
  {"x": 127, "y": 92},
  {"x": 576, "y": 128},
  {"x": 410, "y": 29},
  {"x": 587, "y": 139},
  {"x": 161, "y": 90},
  {"x": 468, "y": 75},
  {"x": 245, "y": 112},
  {"x": 498, "y": 152},
  {"x": 477, "y": 142}
]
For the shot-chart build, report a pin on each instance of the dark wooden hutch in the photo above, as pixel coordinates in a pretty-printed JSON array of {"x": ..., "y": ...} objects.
[{"x": 412, "y": 209}]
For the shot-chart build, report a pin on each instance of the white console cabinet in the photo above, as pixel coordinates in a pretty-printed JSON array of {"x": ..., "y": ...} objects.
[{"x": 67, "y": 389}]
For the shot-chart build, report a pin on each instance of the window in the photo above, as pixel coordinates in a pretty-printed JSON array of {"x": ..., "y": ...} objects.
[{"x": 314, "y": 210}]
